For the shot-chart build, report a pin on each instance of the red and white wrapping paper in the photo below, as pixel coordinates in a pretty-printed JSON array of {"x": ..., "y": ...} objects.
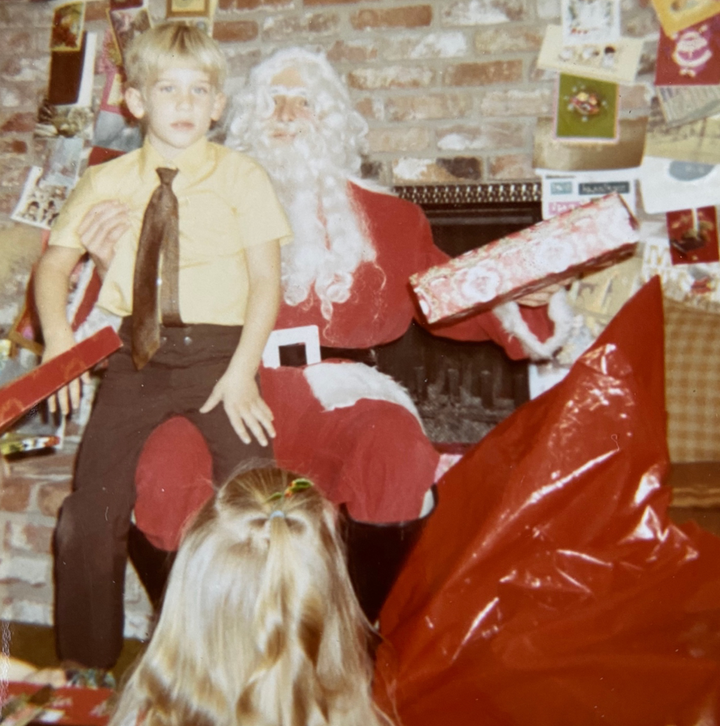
[
  {"x": 20, "y": 395},
  {"x": 67, "y": 706},
  {"x": 593, "y": 235}
]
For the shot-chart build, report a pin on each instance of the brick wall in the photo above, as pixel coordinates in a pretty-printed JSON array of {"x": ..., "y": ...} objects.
[
  {"x": 451, "y": 92},
  {"x": 449, "y": 87},
  {"x": 33, "y": 488}
]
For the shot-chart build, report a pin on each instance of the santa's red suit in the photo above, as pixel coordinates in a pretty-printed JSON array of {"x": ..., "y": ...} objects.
[
  {"x": 372, "y": 455},
  {"x": 382, "y": 305}
]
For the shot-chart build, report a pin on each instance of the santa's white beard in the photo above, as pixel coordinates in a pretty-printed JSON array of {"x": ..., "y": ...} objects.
[{"x": 330, "y": 236}]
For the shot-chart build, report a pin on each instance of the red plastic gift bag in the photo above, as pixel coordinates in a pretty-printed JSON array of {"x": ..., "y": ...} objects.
[{"x": 549, "y": 587}]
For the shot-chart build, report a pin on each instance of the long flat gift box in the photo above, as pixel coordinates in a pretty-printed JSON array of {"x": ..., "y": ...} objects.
[
  {"x": 587, "y": 237},
  {"x": 20, "y": 395},
  {"x": 66, "y": 706}
]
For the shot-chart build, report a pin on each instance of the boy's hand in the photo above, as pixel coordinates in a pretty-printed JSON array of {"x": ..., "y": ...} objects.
[
  {"x": 244, "y": 407},
  {"x": 67, "y": 399},
  {"x": 100, "y": 230}
]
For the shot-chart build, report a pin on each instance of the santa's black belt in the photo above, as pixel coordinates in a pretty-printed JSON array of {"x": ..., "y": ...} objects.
[
  {"x": 294, "y": 355},
  {"x": 368, "y": 356}
]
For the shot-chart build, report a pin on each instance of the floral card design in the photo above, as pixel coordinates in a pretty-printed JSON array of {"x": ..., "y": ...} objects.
[{"x": 586, "y": 109}]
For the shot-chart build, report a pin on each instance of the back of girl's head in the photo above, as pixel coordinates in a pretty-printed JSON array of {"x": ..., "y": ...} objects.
[
  {"x": 260, "y": 625},
  {"x": 171, "y": 45}
]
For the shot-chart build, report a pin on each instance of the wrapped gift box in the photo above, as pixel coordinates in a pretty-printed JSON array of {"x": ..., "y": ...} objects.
[
  {"x": 587, "y": 237},
  {"x": 14, "y": 443},
  {"x": 25, "y": 392},
  {"x": 69, "y": 706}
]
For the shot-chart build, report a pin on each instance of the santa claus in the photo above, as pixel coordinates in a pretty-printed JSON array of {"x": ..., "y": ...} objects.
[{"x": 349, "y": 427}]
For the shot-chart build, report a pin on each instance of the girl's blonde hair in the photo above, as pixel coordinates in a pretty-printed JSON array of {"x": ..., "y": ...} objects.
[
  {"x": 169, "y": 45},
  {"x": 260, "y": 625}
]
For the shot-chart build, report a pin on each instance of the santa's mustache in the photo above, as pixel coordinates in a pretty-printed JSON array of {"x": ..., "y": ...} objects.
[{"x": 292, "y": 129}]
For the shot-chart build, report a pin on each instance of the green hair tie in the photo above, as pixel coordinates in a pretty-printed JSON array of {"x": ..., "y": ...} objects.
[{"x": 296, "y": 485}]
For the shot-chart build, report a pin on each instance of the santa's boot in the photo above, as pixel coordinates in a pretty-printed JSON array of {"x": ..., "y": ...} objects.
[{"x": 376, "y": 553}]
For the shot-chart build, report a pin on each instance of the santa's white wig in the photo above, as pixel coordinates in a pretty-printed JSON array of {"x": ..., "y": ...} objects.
[
  {"x": 310, "y": 174},
  {"x": 330, "y": 101}
]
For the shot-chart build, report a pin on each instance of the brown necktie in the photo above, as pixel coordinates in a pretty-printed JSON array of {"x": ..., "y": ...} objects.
[{"x": 159, "y": 234}]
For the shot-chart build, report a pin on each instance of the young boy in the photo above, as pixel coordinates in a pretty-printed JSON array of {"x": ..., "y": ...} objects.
[{"x": 211, "y": 335}]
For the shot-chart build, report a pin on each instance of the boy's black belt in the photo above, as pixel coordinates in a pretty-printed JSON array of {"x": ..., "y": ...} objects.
[
  {"x": 291, "y": 355},
  {"x": 198, "y": 340}
]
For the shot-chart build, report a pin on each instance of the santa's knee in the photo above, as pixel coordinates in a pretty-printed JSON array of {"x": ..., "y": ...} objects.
[{"x": 393, "y": 464}]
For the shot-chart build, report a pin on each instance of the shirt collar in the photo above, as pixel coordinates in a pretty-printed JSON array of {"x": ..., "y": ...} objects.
[{"x": 189, "y": 163}]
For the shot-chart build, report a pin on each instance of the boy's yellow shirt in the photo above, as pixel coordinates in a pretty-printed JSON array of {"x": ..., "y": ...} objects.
[{"x": 226, "y": 203}]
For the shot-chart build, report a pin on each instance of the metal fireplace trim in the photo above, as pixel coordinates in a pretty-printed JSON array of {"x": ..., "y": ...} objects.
[{"x": 466, "y": 198}]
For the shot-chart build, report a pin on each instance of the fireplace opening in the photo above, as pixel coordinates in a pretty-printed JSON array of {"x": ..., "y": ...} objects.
[{"x": 462, "y": 389}]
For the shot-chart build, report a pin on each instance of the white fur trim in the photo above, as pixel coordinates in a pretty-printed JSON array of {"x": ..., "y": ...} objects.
[
  {"x": 428, "y": 503},
  {"x": 559, "y": 312},
  {"x": 371, "y": 185},
  {"x": 341, "y": 385}
]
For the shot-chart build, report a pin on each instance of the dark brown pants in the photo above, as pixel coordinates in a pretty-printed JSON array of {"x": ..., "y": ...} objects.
[{"x": 92, "y": 530}]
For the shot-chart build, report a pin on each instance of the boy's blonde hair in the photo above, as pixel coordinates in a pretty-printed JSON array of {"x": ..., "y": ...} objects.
[
  {"x": 168, "y": 45},
  {"x": 260, "y": 624}
]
